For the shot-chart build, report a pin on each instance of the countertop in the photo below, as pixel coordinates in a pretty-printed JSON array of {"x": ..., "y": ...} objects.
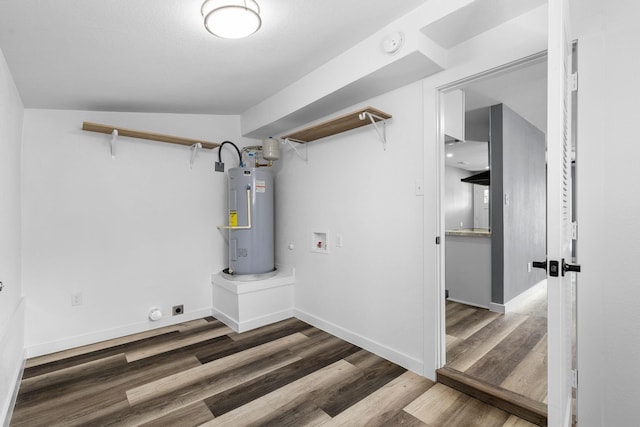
[{"x": 469, "y": 232}]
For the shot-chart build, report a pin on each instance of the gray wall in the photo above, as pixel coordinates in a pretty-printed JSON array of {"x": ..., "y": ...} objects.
[
  {"x": 458, "y": 203},
  {"x": 518, "y": 203}
]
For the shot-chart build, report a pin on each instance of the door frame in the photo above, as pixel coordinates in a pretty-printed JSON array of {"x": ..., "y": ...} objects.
[{"x": 441, "y": 347}]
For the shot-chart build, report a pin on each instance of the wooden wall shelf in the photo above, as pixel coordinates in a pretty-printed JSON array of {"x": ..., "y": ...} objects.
[
  {"x": 96, "y": 127},
  {"x": 339, "y": 124}
]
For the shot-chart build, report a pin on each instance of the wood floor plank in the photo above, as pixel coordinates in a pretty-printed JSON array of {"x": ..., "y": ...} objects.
[
  {"x": 451, "y": 342},
  {"x": 342, "y": 396},
  {"x": 468, "y": 352},
  {"x": 107, "y": 344},
  {"x": 235, "y": 344},
  {"x": 404, "y": 419},
  {"x": 428, "y": 406},
  {"x": 72, "y": 373},
  {"x": 115, "y": 377},
  {"x": 469, "y": 325},
  {"x": 177, "y": 343},
  {"x": 58, "y": 414},
  {"x": 305, "y": 413},
  {"x": 189, "y": 416},
  {"x": 529, "y": 377},
  {"x": 162, "y": 406},
  {"x": 269, "y": 405},
  {"x": 65, "y": 362},
  {"x": 460, "y": 315},
  {"x": 286, "y": 374},
  {"x": 101, "y": 393},
  {"x": 182, "y": 379},
  {"x": 514, "y": 421},
  {"x": 382, "y": 405},
  {"x": 441, "y": 405},
  {"x": 453, "y": 307},
  {"x": 498, "y": 363},
  {"x": 244, "y": 393}
]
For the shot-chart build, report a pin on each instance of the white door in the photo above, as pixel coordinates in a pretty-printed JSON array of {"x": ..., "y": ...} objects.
[{"x": 559, "y": 229}]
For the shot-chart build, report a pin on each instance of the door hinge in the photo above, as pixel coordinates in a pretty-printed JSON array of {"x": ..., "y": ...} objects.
[
  {"x": 574, "y": 378},
  {"x": 574, "y": 230},
  {"x": 437, "y": 240},
  {"x": 574, "y": 82}
]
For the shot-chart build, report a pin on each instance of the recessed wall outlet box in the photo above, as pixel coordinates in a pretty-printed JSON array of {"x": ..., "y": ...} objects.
[
  {"x": 177, "y": 309},
  {"x": 219, "y": 167},
  {"x": 320, "y": 242}
]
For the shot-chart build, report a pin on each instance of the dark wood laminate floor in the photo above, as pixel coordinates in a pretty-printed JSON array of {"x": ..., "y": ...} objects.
[
  {"x": 509, "y": 351},
  {"x": 202, "y": 373}
]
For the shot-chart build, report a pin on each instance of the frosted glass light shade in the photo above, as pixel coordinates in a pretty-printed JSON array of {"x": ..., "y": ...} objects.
[{"x": 231, "y": 19}]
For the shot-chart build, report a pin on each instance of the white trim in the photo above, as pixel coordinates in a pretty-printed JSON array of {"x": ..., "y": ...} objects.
[
  {"x": 256, "y": 322},
  {"x": 12, "y": 345},
  {"x": 517, "y": 302},
  {"x": 16, "y": 389},
  {"x": 445, "y": 82},
  {"x": 473, "y": 304},
  {"x": 381, "y": 350},
  {"x": 122, "y": 331}
]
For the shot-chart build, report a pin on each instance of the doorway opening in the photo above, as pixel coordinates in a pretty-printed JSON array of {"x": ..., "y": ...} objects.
[{"x": 495, "y": 226}]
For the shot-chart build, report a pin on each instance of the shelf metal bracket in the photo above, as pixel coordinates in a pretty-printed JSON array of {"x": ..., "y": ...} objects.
[
  {"x": 194, "y": 152},
  {"x": 306, "y": 148},
  {"x": 114, "y": 137},
  {"x": 373, "y": 117}
]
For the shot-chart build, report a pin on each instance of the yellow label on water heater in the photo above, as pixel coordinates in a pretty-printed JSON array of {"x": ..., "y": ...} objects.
[{"x": 233, "y": 218}]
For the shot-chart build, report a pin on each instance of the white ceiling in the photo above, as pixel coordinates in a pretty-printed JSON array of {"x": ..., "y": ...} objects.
[
  {"x": 476, "y": 18},
  {"x": 156, "y": 56},
  {"x": 524, "y": 90}
]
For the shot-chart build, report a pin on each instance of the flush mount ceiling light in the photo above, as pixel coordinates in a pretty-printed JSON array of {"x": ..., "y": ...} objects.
[{"x": 231, "y": 19}]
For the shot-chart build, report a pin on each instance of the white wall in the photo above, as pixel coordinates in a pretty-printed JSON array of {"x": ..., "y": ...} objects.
[
  {"x": 11, "y": 302},
  {"x": 129, "y": 233},
  {"x": 369, "y": 290},
  {"x": 608, "y": 207},
  {"x": 458, "y": 199},
  {"x": 381, "y": 289}
]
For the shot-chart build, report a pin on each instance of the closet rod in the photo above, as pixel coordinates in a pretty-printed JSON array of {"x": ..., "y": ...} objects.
[{"x": 96, "y": 127}]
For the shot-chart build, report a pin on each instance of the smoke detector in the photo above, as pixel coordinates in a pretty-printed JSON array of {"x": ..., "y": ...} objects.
[{"x": 392, "y": 43}]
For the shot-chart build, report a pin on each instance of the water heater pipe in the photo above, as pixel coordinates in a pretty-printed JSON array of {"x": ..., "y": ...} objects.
[{"x": 241, "y": 227}]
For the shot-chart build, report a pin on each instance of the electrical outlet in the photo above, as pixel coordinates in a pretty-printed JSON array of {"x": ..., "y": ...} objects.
[
  {"x": 177, "y": 309},
  {"x": 76, "y": 299},
  {"x": 219, "y": 167}
]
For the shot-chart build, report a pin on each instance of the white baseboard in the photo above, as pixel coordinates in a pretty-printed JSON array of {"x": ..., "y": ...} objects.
[
  {"x": 226, "y": 319},
  {"x": 519, "y": 300},
  {"x": 469, "y": 303},
  {"x": 381, "y": 350},
  {"x": 121, "y": 331},
  {"x": 14, "y": 395},
  {"x": 12, "y": 359},
  {"x": 249, "y": 324}
]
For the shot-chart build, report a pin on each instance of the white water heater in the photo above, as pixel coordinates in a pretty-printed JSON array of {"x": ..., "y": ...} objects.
[{"x": 251, "y": 220}]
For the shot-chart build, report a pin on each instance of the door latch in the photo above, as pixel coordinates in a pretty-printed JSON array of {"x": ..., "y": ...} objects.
[
  {"x": 540, "y": 264},
  {"x": 569, "y": 267}
]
